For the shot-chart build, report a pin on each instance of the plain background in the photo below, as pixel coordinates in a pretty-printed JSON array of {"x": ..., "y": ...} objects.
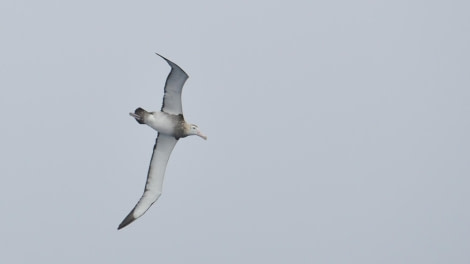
[{"x": 338, "y": 131}]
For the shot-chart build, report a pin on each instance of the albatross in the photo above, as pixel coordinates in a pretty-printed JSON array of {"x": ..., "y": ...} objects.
[{"x": 171, "y": 126}]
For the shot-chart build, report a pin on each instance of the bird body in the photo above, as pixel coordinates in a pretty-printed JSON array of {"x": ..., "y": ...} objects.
[
  {"x": 164, "y": 123},
  {"x": 171, "y": 126}
]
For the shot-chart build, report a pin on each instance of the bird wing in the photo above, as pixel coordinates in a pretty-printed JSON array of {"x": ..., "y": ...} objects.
[
  {"x": 153, "y": 188},
  {"x": 173, "y": 88}
]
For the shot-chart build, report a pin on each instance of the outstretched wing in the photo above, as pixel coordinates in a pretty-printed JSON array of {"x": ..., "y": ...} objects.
[
  {"x": 173, "y": 88},
  {"x": 153, "y": 188}
]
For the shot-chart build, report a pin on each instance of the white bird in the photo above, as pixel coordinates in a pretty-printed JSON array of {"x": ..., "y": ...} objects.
[{"x": 171, "y": 126}]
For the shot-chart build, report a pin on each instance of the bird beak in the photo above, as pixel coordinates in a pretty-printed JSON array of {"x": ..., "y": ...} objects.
[{"x": 202, "y": 135}]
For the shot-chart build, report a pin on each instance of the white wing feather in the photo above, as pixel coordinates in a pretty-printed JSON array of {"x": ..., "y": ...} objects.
[{"x": 153, "y": 188}]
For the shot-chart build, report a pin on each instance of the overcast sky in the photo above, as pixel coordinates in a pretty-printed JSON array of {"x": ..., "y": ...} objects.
[{"x": 338, "y": 131}]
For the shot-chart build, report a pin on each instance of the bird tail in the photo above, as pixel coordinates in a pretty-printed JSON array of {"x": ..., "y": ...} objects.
[{"x": 140, "y": 115}]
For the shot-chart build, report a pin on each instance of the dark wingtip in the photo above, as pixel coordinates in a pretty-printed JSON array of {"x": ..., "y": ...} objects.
[
  {"x": 173, "y": 65},
  {"x": 161, "y": 56},
  {"x": 167, "y": 60},
  {"x": 129, "y": 219}
]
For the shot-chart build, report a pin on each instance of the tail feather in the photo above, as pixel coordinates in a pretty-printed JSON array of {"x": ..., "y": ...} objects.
[{"x": 141, "y": 113}]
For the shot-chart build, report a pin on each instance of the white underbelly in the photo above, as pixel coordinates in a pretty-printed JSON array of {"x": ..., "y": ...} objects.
[{"x": 161, "y": 122}]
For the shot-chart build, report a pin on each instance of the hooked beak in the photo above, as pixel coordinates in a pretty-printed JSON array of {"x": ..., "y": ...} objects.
[{"x": 202, "y": 135}]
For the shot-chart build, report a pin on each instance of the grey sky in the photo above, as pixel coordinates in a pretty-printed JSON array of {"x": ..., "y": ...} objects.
[{"x": 338, "y": 131}]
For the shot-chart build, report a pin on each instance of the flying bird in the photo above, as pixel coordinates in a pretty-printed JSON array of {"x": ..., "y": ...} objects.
[{"x": 171, "y": 126}]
